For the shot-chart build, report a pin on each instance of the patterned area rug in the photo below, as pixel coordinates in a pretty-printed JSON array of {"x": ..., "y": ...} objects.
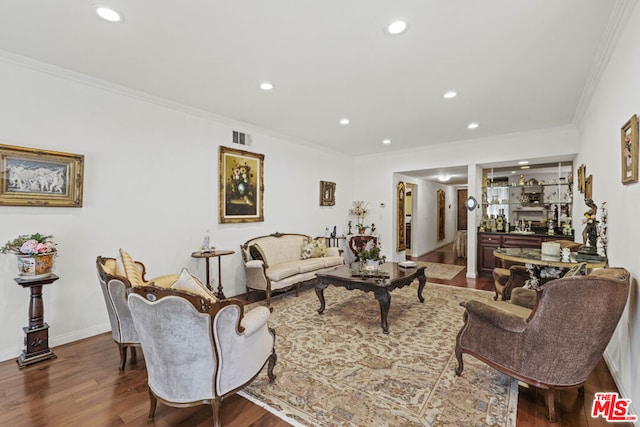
[
  {"x": 442, "y": 271},
  {"x": 339, "y": 369}
]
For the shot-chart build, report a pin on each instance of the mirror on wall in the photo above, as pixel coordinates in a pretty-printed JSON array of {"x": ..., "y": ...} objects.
[{"x": 400, "y": 218}]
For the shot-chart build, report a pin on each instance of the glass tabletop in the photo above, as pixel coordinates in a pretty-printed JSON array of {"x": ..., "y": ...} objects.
[{"x": 535, "y": 256}]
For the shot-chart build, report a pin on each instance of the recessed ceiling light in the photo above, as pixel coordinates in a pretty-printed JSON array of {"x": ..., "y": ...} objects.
[
  {"x": 386, "y": 141},
  {"x": 473, "y": 125},
  {"x": 444, "y": 178},
  {"x": 523, "y": 162},
  {"x": 450, "y": 94},
  {"x": 266, "y": 86},
  {"x": 397, "y": 27},
  {"x": 109, "y": 14},
  {"x": 525, "y": 167},
  {"x": 344, "y": 121}
]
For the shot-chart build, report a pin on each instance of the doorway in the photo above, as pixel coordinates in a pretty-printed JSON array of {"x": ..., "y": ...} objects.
[{"x": 462, "y": 209}]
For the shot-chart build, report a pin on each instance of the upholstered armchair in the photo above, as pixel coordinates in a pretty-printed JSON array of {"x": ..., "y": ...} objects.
[
  {"x": 198, "y": 350},
  {"x": 514, "y": 275},
  {"x": 114, "y": 284},
  {"x": 556, "y": 344},
  {"x": 505, "y": 280}
]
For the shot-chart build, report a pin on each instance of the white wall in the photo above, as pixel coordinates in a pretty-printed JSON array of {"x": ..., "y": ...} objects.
[
  {"x": 615, "y": 100},
  {"x": 150, "y": 187}
]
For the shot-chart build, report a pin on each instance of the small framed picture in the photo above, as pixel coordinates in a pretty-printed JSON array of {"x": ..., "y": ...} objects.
[
  {"x": 629, "y": 149},
  {"x": 582, "y": 170},
  {"x": 327, "y": 193},
  {"x": 34, "y": 177},
  {"x": 588, "y": 187}
]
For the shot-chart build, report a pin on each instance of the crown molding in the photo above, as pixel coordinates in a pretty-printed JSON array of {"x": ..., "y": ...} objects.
[
  {"x": 104, "y": 85},
  {"x": 615, "y": 26}
]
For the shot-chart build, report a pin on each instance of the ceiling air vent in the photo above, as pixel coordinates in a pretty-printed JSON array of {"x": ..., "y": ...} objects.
[{"x": 241, "y": 138}]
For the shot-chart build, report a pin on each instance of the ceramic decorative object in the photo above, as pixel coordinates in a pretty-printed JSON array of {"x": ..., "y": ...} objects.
[
  {"x": 35, "y": 254},
  {"x": 35, "y": 265}
]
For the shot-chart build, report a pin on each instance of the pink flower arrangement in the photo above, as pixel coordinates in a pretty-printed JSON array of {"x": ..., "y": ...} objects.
[
  {"x": 32, "y": 247},
  {"x": 30, "y": 244}
]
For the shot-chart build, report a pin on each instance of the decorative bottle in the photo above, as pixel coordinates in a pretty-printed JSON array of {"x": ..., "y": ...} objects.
[
  {"x": 499, "y": 222},
  {"x": 206, "y": 247}
]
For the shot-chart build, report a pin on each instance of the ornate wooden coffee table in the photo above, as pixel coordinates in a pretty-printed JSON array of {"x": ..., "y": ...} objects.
[{"x": 394, "y": 277}]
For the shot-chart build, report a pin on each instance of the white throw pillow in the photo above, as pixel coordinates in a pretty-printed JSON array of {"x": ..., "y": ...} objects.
[{"x": 190, "y": 283}]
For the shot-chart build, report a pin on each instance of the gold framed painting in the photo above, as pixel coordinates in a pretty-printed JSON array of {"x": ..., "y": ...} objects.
[
  {"x": 629, "y": 150},
  {"x": 327, "y": 193},
  {"x": 582, "y": 170},
  {"x": 441, "y": 214},
  {"x": 588, "y": 187},
  {"x": 241, "y": 186},
  {"x": 400, "y": 225},
  {"x": 34, "y": 177}
]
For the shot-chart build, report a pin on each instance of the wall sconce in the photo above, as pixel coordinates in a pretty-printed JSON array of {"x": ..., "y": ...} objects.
[{"x": 471, "y": 203}]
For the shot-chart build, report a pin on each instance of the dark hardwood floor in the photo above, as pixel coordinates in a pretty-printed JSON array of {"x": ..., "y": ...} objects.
[{"x": 83, "y": 387}]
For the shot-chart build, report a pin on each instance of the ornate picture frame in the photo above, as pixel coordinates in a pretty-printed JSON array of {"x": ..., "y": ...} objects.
[
  {"x": 400, "y": 221},
  {"x": 582, "y": 170},
  {"x": 241, "y": 183},
  {"x": 35, "y": 177},
  {"x": 327, "y": 193},
  {"x": 629, "y": 150},
  {"x": 441, "y": 214},
  {"x": 588, "y": 187}
]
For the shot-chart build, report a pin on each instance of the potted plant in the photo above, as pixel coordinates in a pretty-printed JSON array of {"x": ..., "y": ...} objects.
[
  {"x": 360, "y": 209},
  {"x": 35, "y": 253},
  {"x": 370, "y": 255},
  {"x": 362, "y": 228}
]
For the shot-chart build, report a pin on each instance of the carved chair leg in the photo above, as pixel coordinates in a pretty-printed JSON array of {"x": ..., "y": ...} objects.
[
  {"x": 134, "y": 353},
  {"x": 123, "y": 355},
  {"x": 153, "y": 402},
  {"x": 581, "y": 390},
  {"x": 460, "y": 366},
  {"x": 458, "y": 348},
  {"x": 216, "y": 405},
  {"x": 495, "y": 298},
  {"x": 272, "y": 363},
  {"x": 551, "y": 404},
  {"x": 246, "y": 296}
]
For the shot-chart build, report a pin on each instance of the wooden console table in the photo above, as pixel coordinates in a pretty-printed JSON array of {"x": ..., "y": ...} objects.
[
  {"x": 206, "y": 255},
  {"x": 36, "y": 340},
  {"x": 334, "y": 242}
]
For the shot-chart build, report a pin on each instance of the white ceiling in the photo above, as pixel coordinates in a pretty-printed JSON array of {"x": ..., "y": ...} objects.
[{"x": 516, "y": 65}]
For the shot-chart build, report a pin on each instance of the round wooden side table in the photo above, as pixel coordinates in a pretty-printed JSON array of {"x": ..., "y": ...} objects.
[{"x": 211, "y": 254}]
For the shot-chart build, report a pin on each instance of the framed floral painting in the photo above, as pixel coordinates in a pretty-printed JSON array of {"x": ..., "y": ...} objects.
[
  {"x": 34, "y": 177},
  {"x": 241, "y": 186},
  {"x": 629, "y": 149}
]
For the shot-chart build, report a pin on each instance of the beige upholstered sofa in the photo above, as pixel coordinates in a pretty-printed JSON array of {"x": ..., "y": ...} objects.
[{"x": 278, "y": 262}]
